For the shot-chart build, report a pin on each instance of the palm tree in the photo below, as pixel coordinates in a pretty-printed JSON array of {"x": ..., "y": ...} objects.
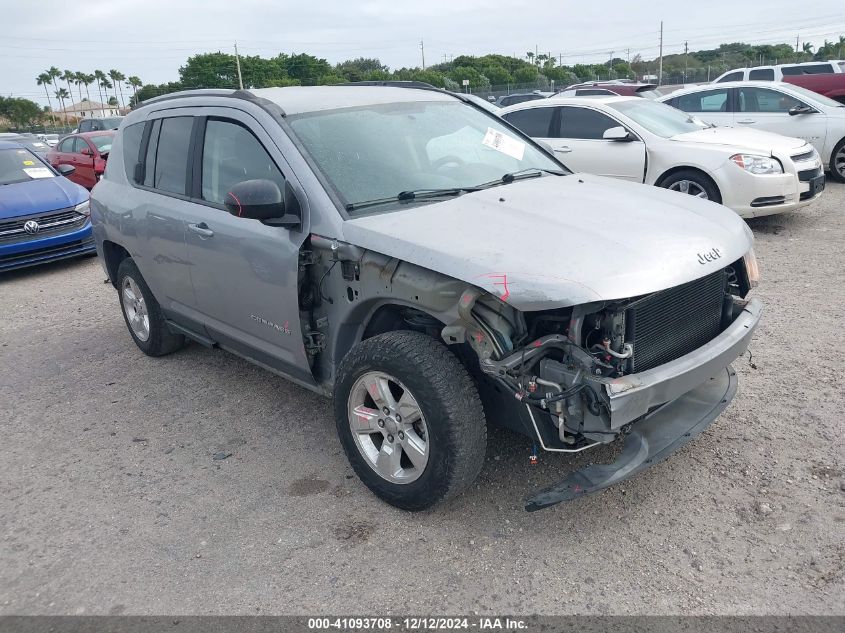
[
  {"x": 45, "y": 79},
  {"x": 69, "y": 76},
  {"x": 61, "y": 95},
  {"x": 136, "y": 83},
  {"x": 77, "y": 79},
  {"x": 87, "y": 79},
  {"x": 116, "y": 76},
  {"x": 106, "y": 85},
  {"x": 99, "y": 78}
]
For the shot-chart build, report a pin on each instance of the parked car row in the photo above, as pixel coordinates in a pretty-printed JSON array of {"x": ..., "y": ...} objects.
[{"x": 754, "y": 173}]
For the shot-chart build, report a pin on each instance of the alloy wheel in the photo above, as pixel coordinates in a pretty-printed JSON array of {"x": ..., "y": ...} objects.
[
  {"x": 689, "y": 187},
  {"x": 388, "y": 427},
  {"x": 135, "y": 308}
]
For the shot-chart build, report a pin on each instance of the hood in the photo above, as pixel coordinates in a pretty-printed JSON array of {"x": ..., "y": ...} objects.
[
  {"x": 744, "y": 139},
  {"x": 558, "y": 241},
  {"x": 38, "y": 196}
]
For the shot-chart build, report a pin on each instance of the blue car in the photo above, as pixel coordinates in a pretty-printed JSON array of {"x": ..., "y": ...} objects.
[{"x": 43, "y": 216}]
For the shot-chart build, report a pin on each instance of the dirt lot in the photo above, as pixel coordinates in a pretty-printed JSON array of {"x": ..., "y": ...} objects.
[{"x": 114, "y": 497}]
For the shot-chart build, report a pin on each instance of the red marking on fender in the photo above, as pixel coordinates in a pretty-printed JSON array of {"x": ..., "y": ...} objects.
[
  {"x": 240, "y": 206},
  {"x": 478, "y": 338},
  {"x": 502, "y": 281},
  {"x": 577, "y": 488},
  {"x": 537, "y": 343}
]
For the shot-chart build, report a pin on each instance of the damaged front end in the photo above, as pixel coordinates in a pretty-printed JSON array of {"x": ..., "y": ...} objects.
[{"x": 653, "y": 369}]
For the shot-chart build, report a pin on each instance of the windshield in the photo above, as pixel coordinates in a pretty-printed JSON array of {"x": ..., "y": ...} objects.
[
  {"x": 103, "y": 142},
  {"x": 815, "y": 96},
  {"x": 21, "y": 165},
  {"x": 378, "y": 151},
  {"x": 658, "y": 118}
]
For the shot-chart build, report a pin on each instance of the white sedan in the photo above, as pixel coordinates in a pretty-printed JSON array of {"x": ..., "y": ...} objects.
[
  {"x": 754, "y": 173},
  {"x": 776, "y": 107}
]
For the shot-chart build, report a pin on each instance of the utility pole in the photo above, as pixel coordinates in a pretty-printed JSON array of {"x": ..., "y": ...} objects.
[
  {"x": 422, "y": 52},
  {"x": 686, "y": 60},
  {"x": 660, "y": 67},
  {"x": 238, "y": 62},
  {"x": 560, "y": 59}
]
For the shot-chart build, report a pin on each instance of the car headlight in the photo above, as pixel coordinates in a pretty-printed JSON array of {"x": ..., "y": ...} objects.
[
  {"x": 757, "y": 164},
  {"x": 83, "y": 208},
  {"x": 751, "y": 268}
]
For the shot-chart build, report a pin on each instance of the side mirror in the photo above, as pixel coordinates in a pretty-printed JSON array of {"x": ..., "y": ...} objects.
[
  {"x": 618, "y": 133},
  {"x": 85, "y": 151},
  {"x": 66, "y": 170},
  {"x": 260, "y": 200},
  {"x": 800, "y": 109}
]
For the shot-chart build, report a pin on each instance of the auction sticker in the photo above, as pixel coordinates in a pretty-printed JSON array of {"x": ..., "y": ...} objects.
[
  {"x": 38, "y": 172},
  {"x": 504, "y": 143}
]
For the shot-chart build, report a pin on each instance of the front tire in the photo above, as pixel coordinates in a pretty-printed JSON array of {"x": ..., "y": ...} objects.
[
  {"x": 694, "y": 183},
  {"x": 142, "y": 313},
  {"x": 837, "y": 162},
  {"x": 410, "y": 419}
]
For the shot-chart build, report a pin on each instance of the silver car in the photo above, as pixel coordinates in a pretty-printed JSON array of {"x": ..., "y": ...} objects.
[{"x": 432, "y": 269}]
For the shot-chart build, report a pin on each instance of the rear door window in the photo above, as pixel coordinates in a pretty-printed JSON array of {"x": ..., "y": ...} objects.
[
  {"x": 66, "y": 145},
  {"x": 765, "y": 100},
  {"x": 533, "y": 121},
  {"x": 762, "y": 74},
  {"x": 171, "y": 158},
  {"x": 583, "y": 123},
  {"x": 705, "y": 101}
]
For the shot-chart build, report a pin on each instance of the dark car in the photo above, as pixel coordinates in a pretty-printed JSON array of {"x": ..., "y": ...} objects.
[
  {"x": 86, "y": 152},
  {"x": 43, "y": 216},
  {"x": 509, "y": 100},
  {"x": 606, "y": 88},
  {"x": 94, "y": 125},
  {"x": 29, "y": 141}
]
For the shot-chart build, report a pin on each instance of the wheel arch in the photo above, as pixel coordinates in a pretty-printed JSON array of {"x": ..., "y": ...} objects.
[
  {"x": 680, "y": 168},
  {"x": 113, "y": 255}
]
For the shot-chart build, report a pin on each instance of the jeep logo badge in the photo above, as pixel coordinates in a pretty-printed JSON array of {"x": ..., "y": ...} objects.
[
  {"x": 709, "y": 256},
  {"x": 31, "y": 227}
]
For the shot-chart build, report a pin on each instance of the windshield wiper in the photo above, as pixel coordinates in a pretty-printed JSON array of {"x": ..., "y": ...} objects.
[
  {"x": 406, "y": 196},
  {"x": 528, "y": 172}
]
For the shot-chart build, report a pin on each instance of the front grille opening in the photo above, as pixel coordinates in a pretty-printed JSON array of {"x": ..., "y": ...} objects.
[{"x": 671, "y": 323}]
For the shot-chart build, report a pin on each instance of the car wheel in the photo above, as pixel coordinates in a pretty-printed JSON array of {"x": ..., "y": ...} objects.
[
  {"x": 410, "y": 419},
  {"x": 837, "y": 162},
  {"x": 693, "y": 183},
  {"x": 143, "y": 314}
]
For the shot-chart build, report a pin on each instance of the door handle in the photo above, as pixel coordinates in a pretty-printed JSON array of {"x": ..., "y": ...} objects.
[
  {"x": 564, "y": 150},
  {"x": 747, "y": 121},
  {"x": 201, "y": 229}
]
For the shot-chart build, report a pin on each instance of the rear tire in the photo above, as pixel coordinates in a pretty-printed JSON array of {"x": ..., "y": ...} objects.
[
  {"x": 142, "y": 313},
  {"x": 693, "y": 182},
  {"x": 437, "y": 449},
  {"x": 837, "y": 162}
]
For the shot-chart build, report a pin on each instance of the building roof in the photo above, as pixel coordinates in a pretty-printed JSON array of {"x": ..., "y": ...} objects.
[{"x": 86, "y": 106}]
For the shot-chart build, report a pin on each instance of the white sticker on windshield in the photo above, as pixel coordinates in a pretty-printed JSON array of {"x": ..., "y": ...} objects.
[
  {"x": 38, "y": 172},
  {"x": 504, "y": 143}
]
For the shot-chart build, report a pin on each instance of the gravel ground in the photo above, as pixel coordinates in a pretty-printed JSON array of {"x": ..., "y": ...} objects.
[{"x": 114, "y": 499}]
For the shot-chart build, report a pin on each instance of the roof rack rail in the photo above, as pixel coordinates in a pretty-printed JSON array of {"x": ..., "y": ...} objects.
[
  {"x": 393, "y": 83},
  {"x": 200, "y": 92}
]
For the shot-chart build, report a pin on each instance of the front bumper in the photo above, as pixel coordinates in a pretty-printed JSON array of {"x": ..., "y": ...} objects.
[
  {"x": 47, "y": 249},
  {"x": 632, "y": 396},
  {"x": 650, "y": 441},
  {"x": 753, "y": 196}
]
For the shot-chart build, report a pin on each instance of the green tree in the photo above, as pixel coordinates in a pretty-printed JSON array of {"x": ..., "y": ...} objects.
[
  {"x": 61, "y": 95},
  {"x": 45, "y": 79},
  {"x": 117, "y": 77},
  {"x": 136, "y": 83},
  {"x": 360, "y": 68},
  {"x": 87, "y": 79},
  {"x": 100, "y": 78},
  {"x": 307, "y": 68}
]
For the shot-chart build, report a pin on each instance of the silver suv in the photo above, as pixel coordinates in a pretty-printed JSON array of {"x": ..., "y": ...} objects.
[{"x": 433, "y": 270}]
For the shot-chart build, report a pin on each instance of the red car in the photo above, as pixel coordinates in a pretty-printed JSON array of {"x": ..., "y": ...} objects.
[
  {"x": 87, "y": 152},
  {"x": 830, "y": 85}
]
